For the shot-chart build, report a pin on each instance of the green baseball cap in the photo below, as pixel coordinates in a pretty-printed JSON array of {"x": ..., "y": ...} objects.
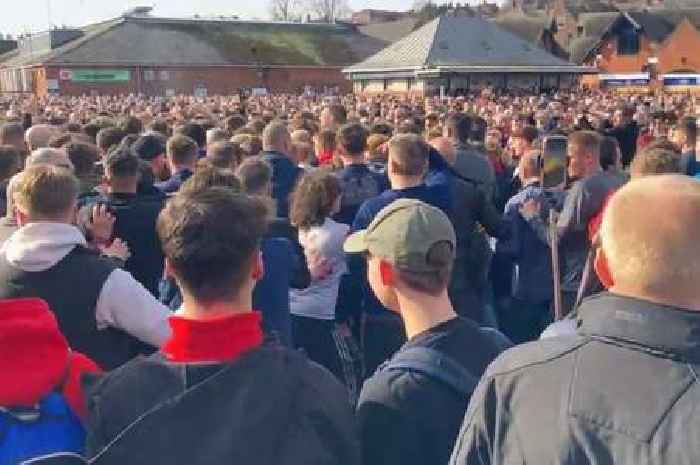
[{"x": 403, "y": 233}]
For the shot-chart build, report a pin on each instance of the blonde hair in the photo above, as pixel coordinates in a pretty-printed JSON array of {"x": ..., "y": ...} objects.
[{"x": 45, "y": 191}]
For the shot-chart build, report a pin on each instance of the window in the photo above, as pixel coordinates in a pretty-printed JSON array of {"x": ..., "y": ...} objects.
[
  {"x": 684, "y": 60},
  {"x": 579, "y": 31},
  {"x": 164, "y": 75},
  {"x": 149, "y": 75},
  {"x": 628, "y": 42}
]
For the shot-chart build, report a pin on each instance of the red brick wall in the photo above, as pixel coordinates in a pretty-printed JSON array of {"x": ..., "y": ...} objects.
[
  {"x": 219, "y": 80},
  {"x": 613, "y": 63},
  {"x": 680, "y": 50},
  {"x": 683, "y": 43}
]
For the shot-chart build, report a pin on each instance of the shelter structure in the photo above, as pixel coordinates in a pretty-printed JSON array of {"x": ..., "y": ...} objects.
[{"x": 456, "y": 54}]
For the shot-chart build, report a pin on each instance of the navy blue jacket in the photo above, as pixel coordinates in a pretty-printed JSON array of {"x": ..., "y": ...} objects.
[
  {"x": 285, "y": 175},
  {"x": 533, "y": 281},
  {"x": 409, "y": 418},
  {"x": 173, "y": 184},
  {"x": 135, "y": 224},
  {"x": 436, "y": 196}
]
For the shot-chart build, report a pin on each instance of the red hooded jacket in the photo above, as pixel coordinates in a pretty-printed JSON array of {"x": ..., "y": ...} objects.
[{"x": 35, "y": 358}]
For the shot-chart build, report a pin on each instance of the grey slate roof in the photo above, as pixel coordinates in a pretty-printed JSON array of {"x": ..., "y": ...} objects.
[
  {"x": 525, "y": 26},
  {"x": 160, "y": 41},
  {"x": 390, "y": 31},
  {"x": 458, "y": 41},
  {"x": 655, "y": 26},
  {"x": 597, "y": 24}
]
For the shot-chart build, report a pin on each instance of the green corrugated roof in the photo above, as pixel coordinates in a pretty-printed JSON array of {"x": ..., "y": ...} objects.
[{"x": 157, "y": 41}]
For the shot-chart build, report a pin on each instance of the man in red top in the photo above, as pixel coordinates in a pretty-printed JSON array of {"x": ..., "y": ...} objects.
[{"x": 216, "y": 393}]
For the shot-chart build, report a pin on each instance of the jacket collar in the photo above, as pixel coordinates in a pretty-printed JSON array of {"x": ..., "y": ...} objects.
[
  {"x": 121, "y": 197},
  {"x": 659, "y": 327},
  {"x": 39, "y": 246}
]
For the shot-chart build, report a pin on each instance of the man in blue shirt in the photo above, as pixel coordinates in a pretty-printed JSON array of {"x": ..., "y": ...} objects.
[
  {"x": 277, "y": 144},
  {"x": 407, "y": 167},
  {"x": 182, "y": 154},
  {"x": 529, "y": 314}
]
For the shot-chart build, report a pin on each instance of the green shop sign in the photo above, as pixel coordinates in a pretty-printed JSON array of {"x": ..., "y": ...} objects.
[{"x": 100, "y": 75}]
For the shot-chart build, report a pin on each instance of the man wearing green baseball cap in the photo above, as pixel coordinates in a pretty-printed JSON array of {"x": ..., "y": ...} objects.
[{"x": 411, "y": 409}]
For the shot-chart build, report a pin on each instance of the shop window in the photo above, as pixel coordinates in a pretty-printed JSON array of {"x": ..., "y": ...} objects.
[{"x": 149, "y": 75}]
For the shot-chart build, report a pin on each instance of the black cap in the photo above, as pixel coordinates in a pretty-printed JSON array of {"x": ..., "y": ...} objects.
[{"x": 148, "y": 147}]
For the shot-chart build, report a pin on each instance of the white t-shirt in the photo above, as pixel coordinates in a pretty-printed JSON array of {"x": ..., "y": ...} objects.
[{"x": 323, "y": 247}]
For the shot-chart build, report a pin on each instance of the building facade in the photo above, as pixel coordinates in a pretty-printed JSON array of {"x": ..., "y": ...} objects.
[
  {"x": 162, "y": 57},
  {"x": 646, "y": 46},
  {"x": 435, "y": 61}
]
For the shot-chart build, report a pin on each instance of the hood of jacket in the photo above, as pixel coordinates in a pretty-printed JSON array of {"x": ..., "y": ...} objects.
[
  {"x": 34, "y": 356},
  {"x": 39, "y": 246}
]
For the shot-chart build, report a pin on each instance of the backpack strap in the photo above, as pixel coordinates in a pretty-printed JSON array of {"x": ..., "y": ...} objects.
[{"x": 435, "y": 365}]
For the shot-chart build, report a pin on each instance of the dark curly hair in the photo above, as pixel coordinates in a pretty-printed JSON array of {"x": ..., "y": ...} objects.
[{"x": 313, "y": 199}]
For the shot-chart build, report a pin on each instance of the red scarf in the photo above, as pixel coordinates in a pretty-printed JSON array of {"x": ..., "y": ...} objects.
[
  {"x": 325, "y": 157},
  {"x": 218, "y": 340}
]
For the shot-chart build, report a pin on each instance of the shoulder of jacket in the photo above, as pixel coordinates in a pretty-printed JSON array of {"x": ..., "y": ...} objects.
[
  {"x": 124, "y": 378},
  {"x": 534, "y": 354}
]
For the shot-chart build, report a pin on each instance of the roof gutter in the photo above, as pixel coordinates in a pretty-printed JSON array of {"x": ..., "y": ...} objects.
[
  {"x": 352, "y": 70},
  {"x": 514, "y": 69}
]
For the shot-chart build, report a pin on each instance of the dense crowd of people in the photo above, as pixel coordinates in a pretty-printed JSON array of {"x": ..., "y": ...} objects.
[{"x": 345, "y": 280}]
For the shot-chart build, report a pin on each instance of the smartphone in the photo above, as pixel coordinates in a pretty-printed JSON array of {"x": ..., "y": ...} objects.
[{"x": 553, "y": 163}]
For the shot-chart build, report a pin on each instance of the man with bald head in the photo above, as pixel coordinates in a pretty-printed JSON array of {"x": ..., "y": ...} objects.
[
  {"x": 624, "y": 390},
  {"x": 277, "y": 150},
  {"x": 38, "y": 136}
]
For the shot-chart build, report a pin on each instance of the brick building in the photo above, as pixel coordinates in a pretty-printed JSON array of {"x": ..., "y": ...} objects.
[
  {"x": 643, "y": 45},
  {"x": 160, "y": 56},
  {"x": 434, "y": 59},
  {"x": 369, "y": 16}
]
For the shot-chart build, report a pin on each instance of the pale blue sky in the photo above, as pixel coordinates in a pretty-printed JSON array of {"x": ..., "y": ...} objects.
[{"x": 24, "y": 15}]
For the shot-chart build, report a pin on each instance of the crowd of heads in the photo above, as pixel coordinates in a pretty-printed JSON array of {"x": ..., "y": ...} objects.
[{"x": 213, "y": 163}]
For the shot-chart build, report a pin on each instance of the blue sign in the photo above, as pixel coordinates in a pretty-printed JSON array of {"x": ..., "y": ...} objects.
[
  {"x": 625, "y": 82},
  {"x": 686, "y": 80}
]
